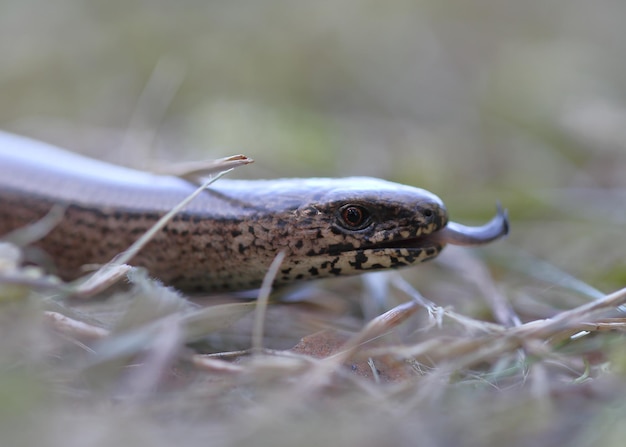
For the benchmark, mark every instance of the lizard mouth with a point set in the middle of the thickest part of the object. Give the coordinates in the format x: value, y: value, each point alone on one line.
x: 457, y: 234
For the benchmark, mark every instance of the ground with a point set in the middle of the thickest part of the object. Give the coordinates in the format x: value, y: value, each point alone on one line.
x: 517, y: 102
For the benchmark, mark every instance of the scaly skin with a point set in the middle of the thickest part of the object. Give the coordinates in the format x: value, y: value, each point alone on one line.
x: 228, y: 236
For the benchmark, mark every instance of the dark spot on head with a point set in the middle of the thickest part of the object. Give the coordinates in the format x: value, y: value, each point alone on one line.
x: 313, y: 271
x: 335, y: 230
x: 242, y: 248
x: 311, y: 252
x: 340, y: 248
x: 299, y: 276
x: 250, y: 229
x: 235, y: 233
x: 299, y: 244
x: 430, y: 251
x: 335, y: 271
x: 359, y: 260
x: 395, y: 263
x: 286, y: 271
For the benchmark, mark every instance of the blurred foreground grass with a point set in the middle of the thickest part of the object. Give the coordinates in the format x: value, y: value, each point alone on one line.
x: 520, y: 102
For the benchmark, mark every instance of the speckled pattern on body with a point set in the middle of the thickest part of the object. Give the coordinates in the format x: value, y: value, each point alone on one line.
x: 228, y: 236
x: 203, y: 253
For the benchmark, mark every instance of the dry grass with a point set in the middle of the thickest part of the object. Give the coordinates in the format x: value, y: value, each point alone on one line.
x: 128, y: 367
x: 479, y: 101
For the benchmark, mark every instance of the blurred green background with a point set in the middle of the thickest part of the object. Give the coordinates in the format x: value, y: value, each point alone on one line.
x: 522, y: 101
x: 477, y: 101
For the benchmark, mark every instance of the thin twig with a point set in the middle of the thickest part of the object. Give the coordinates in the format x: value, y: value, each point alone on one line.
x: 262, y: 300
x: 75, y: 328
x: 124, y: 257
x: 37, y: 230
x: 195, y: 170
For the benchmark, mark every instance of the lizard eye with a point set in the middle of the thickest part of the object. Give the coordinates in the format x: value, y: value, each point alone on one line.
x: 354, y: 217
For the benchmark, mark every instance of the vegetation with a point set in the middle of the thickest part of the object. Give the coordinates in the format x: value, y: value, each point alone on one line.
x: 518, y: 343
